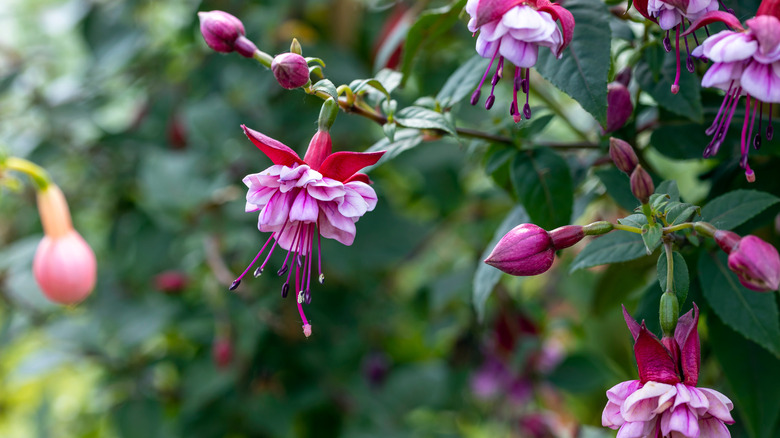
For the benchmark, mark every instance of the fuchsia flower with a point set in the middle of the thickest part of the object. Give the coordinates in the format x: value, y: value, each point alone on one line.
x: 528, y: 249
x: 225, y: 33
x: 514, y: 29
x: 746, y: 62
x: 671, y: 14
x: 756, y: 263
x: 300, y: 199
x: 665, y: 400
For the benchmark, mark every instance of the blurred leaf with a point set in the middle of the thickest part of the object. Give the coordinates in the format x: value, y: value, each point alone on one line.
x: 752, y: 375
x: 618, y: 187
x: 670, y: 188
x: 637, y: 220
x: 139, y: 419
x: 486, y: 277
x: 750, y: 313
x: 543, y: 183
x: 431, y: 25
x: 687, y: 102
x: 403, y: 140
x: 583, y: 69
x: 423, y: 118
x: 728, y: 211
x: 681, y: 277
x: 325, y: 85
x: 462, y: 82
x: 580, y: 373
x: 359, y: 85
x: 617, y: 246
x: 680, y: 141
x: 679, y: 212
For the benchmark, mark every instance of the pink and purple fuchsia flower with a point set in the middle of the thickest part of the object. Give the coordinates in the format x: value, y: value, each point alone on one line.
x: 745, y: 62
x: 300, y: 200
x: 665, y: 401
x: 514, y: 30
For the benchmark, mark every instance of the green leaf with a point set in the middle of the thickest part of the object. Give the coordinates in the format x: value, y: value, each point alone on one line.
x: 486, y: 277
x: 682, y: 279
x: 753, y: 377
x: 580, y: 373
x: 404, y: 139
x: 680, y: 141
x: 359, y: 85
x: 462, y: 82
x: 669, y: 187
x: 423, y: 118
x: 618, y: 187
x: 651, y: 236
x: 431, y: 24
x: 752, y: 314
x: 617, y: 246
x: 679, y: 212
x: 655, y: 75
x: 583, y: 69
x: 735, y: 208
x: 543, y: 183
x: 635, y: 220
x: 327, y: 86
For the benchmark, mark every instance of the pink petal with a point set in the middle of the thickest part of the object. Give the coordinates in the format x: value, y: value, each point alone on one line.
x: 305, y: 208
x: 633, y: 326
x: 486, y: 49
x: 682, y: 420
x: 640, y: 405
x: 611, y: 417
x: 520, y: 53
x: 637, y: 429
x: 713, y: 17
x: 342, y: 165
x: 326, y: 190
x: 276, y: 210
x: 728, y: 46
x: 669, y: 18
x: 620, y: 392
x: 335, y: 226
x: 721, y: 74
x: 368, y: 194
x: 565, y: 17
x: 352, y: 205
x: 762, y: 81
x: 490, y: 10
x: 720, y: 405
x: 713, y: 428
x: 286, y: 238
x: 273, y: 149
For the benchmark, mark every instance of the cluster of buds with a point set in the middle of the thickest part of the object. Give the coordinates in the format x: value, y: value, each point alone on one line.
x: 625, y: 159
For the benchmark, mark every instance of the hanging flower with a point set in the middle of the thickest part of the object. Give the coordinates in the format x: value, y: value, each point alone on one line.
x: 665, y: 400
x: 745, y: 62
x: 671, y: 14
x: 300, y: 200
x: 514, y: 30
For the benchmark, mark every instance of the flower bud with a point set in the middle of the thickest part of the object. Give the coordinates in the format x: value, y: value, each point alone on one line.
x: 320, y: 147
x: 726, y: 240
x: 222, y: 352
x: 619, y: 106
x: 622, y: 155
x: 64, y: 265
x: 564, y: 237
x: 624, y: 76
x: 641, y: 184
x: 224, y: 33
x: 598, y: 228
x: 756, y: 263
x: 669, y: 312
x: 290, y: 70
x: 170, y: 282
x: 525, y: 250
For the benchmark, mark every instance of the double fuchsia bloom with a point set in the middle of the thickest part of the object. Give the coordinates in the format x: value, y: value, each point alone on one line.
x: 514, y: 29
x: 746, y: 62
x: 671, y: 14
x: 665, y: 400
x: 300, y: 199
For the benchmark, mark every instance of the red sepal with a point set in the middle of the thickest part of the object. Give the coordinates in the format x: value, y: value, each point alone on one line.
x: 343, y: 165
x: 489, y: 10
x: 633, y: 326
x: 273, y: 149
x: 641, y: 7
x: 560, y: 13
x: 653, y: 360
x: 715, y: 17
x: 362, y: 177
x: 687, y: 337
x: 769, y: 7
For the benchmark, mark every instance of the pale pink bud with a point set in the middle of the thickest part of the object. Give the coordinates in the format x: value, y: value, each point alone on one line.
x: 756, y: 263
x: 526, y: 250
x: 64, y: 265
x: 290, y: 70
x: 619, y: 106
x: 225, y: 33
x: 564, y: 237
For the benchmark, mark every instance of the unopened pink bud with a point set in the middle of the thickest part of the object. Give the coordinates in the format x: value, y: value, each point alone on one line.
x: 225, y: 33
x: 64, y: 265
x: 619, y: 106
x: 756, y: 263
x: 290, y: 70
x: 727, y: 240
x: 320, y: 147
x: 567, y: 236
x: 526, y: 250
x: 641, y: 184
x: 622, y: 155
x: 222, y: 352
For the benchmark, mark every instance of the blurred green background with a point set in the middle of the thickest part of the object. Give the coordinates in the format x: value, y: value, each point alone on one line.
x: 138, y: 122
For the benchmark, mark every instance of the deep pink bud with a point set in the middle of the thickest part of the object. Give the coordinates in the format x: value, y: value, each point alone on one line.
x: 64, y: 265
x: 526, y: 250
x: 756, y: 263
x: 727, y: 240
x: 641, y: 184
x: 619, y: 106
x: 320, y: 147
x: 622, y: 155
x: 171, y: 282
x: 564, y: 237
x: 290, y: 70
x: 222, y: 352
x: 224, y: 33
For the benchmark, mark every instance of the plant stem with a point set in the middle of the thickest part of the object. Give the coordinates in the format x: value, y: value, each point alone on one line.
x: 628, y: 228
x: 669, y: 266
x: 678, y: 227
x: 37, y: 174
